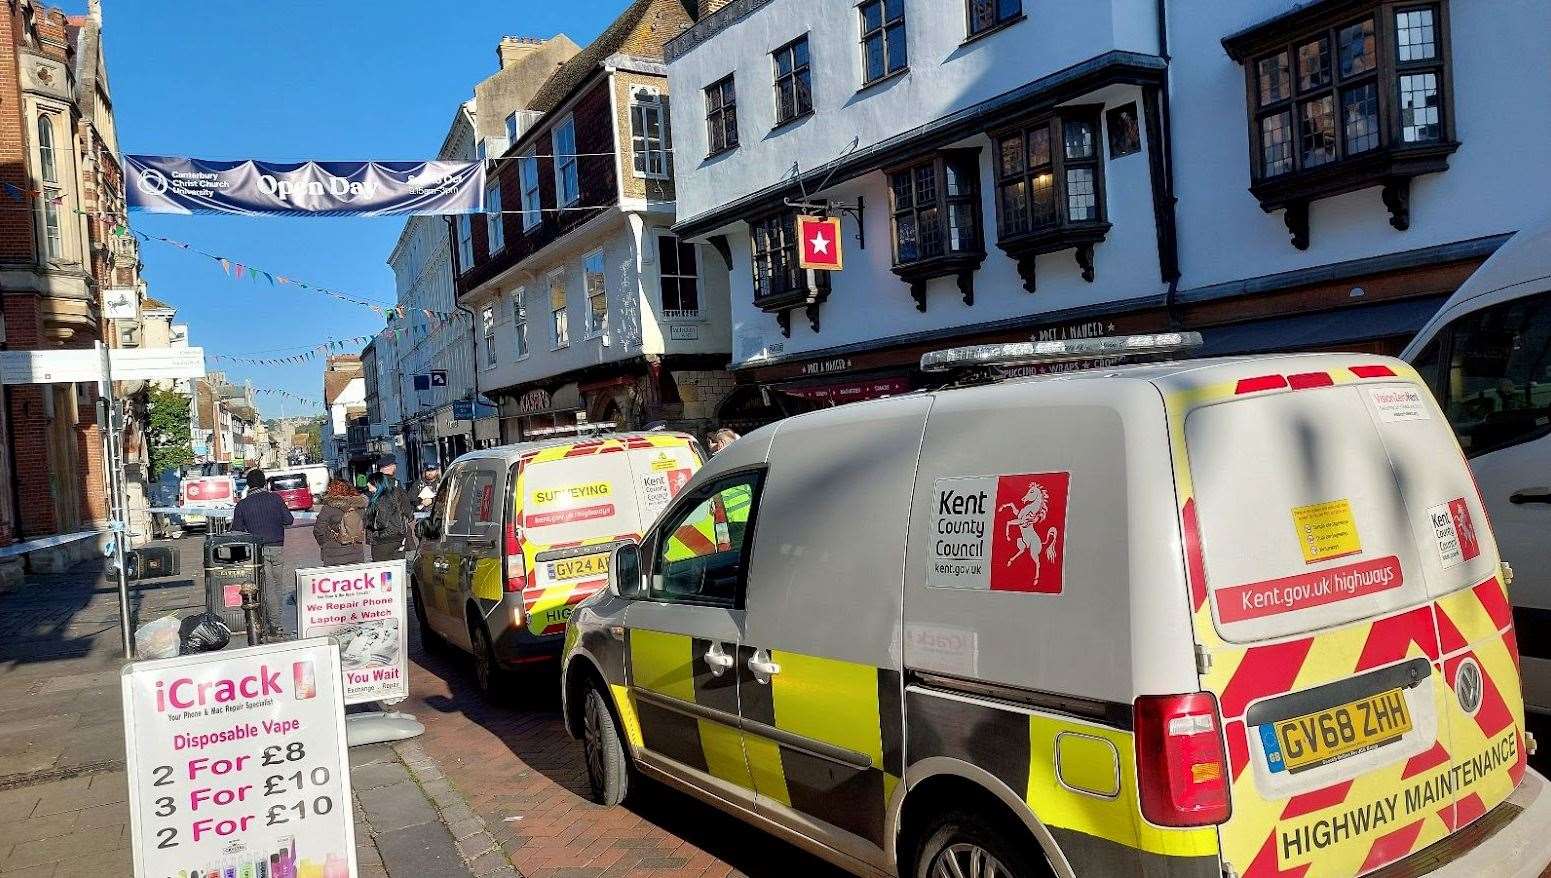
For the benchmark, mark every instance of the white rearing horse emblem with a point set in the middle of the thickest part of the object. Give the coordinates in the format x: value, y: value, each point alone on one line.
x: 1026, y: 520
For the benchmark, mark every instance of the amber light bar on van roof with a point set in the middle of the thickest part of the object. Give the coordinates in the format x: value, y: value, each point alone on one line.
x: 1028, y: 353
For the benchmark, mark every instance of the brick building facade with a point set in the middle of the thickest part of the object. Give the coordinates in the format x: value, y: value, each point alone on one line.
x: 61, y: 198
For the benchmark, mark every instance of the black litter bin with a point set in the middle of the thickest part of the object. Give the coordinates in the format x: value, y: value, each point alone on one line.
x: 232, y: 560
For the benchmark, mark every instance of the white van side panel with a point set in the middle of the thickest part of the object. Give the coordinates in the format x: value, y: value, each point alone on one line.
x: 1121, y: 624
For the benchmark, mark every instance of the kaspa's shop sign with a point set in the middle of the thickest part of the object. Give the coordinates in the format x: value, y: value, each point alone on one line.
x: 177, y: 184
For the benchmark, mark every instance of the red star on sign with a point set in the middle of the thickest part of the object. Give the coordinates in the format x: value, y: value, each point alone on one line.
x: 819, y: 242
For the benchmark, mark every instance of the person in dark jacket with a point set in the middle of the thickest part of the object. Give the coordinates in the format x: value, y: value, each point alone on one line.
x: 341, y: 526
x: 263, y: 514
x: 389, y: 512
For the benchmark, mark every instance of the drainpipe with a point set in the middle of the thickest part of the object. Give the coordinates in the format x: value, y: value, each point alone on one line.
x: 1168, y: 151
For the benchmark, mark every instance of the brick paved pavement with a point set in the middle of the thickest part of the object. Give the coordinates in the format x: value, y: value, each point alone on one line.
x: 523, y: 776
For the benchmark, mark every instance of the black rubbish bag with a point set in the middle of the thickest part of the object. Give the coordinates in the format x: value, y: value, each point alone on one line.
x: 204, y: 632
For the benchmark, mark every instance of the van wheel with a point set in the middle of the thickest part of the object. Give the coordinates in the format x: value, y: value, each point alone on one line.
x: 608, y: 770
x: 430, y: 641
x: 487, y: 673
x: 965, y: 844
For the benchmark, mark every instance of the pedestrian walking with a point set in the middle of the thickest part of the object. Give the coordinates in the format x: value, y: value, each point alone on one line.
x: 720, y: 439
x: 341, y: 526
x: 263, y: 514
x: 430, y: 479
x: 389, y: 513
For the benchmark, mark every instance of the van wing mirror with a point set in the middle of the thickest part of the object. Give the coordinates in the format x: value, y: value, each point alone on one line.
x: 625, y: 571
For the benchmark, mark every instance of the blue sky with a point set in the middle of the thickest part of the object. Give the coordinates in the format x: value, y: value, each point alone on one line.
x: 285, y: 80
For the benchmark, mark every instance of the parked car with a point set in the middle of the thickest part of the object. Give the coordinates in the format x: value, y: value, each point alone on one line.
x: 294, y: 490
x: 518, y: 535
x: 1487, y: 357
x: 317, y: 475
x: 1217, y: 617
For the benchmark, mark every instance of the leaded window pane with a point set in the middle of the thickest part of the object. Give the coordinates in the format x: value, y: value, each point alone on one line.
x: 1318, y: 144
x: 1039, y: 147
x: 1415, y: 35
x: 1314, y: 64
x: 1275, y: 79
x: 931, y: 233
x: 1276, y: 144
x: 1015, y: 207
x: 1081, y: 195
x: 1419, y: 108
x: 1079, y: 139
x: 904, y: 192
x: 1012, y: 156
x: 1044, y: 199
x: 1358, y: 52
x: 926, y: 184
x: 1360, y: 118
x: 909, y: 243
x: 961, y: 228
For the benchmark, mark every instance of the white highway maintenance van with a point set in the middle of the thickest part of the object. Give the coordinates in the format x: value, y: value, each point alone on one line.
x: 1207, y: 618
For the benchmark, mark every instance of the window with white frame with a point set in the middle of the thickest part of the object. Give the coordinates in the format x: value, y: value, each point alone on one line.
x: 46, y: 164
x: 495, y: 229
x: 528, y: 172
x: 593, y: 269
x: 488, y: 321
x: 520, y: 322
x: 53, y: 235
x: 560, y: 323
x: 465, y: 243
x: 568, y: 183
x: 678, y: 265
x: 650, y: 137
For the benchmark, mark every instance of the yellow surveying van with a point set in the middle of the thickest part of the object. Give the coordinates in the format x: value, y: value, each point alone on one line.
x: 518, y: 535
x: 1240, y: 617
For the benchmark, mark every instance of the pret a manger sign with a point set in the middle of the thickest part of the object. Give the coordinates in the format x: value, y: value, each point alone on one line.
x: 237, y: 764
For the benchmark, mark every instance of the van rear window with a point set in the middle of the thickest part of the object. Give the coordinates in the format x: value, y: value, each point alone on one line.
x: 1319, y: 507
x: 288, y: 482
x: 578, y: 498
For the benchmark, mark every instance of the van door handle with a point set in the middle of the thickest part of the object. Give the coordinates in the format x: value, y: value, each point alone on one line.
x: 1530, y: 495
x: 762, y: 666
x: 718, y: 660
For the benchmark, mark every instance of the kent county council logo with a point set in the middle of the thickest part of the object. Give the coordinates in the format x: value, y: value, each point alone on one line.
x: 1029, y: 529
x: 153, y: 181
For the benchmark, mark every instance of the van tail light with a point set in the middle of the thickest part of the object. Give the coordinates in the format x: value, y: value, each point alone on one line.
x: 516, y: 567
x: 1181, y: 768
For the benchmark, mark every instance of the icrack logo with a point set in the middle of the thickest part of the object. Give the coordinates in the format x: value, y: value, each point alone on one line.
x: 1029, y: 532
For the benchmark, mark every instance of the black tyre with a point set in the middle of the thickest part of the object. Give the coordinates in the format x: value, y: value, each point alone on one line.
x: 430, y: 641
x: 965, y: 844
x: 487, y: 672
x: 608, y: 768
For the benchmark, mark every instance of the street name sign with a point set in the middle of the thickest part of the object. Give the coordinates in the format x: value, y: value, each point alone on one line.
x: 237, y: 764
x: 363, y: 608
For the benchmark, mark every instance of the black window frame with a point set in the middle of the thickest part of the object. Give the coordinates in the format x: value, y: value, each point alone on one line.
x: 881, y: 35
x: 773, y: 242
x: 1000, y: 18
x: 676, y: 280
x: 947, y: 260
x: 722, y: 117
x: 1386, y: 159
x: 801, y: 77
x: 684, y: 505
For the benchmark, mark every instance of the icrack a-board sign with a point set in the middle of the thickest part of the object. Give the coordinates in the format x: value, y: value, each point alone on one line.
x: 818, y: 240
x: 362, y: 607
x: 237, y: 764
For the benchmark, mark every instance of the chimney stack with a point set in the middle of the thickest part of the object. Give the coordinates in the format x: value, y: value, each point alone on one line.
x: 706, y: 7
x: 514, y: 49
x: 94, y: 9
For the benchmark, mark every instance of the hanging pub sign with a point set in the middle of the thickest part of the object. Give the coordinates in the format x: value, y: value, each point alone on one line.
x: 178, y: 184
x: 818, y: 240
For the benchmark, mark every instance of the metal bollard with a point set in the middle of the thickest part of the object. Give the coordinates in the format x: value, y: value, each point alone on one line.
x: 252, y: 613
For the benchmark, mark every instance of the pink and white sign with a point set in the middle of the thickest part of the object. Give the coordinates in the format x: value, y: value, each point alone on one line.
x: 237, y: 763
x: 363, y: 608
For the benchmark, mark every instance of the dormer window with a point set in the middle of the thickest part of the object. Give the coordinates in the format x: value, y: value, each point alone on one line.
x: 1338, y: 104
x: 936, y: 219
x: 780, y: 282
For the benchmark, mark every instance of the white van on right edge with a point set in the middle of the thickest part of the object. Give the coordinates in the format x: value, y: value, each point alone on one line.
x: 1487, y: 357
x: 1239, y: 617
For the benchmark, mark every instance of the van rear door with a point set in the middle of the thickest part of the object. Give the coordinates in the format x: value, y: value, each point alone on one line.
x: 1347, y: 596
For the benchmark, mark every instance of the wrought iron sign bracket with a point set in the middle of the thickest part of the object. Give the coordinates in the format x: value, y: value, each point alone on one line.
x: 825, y: 208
